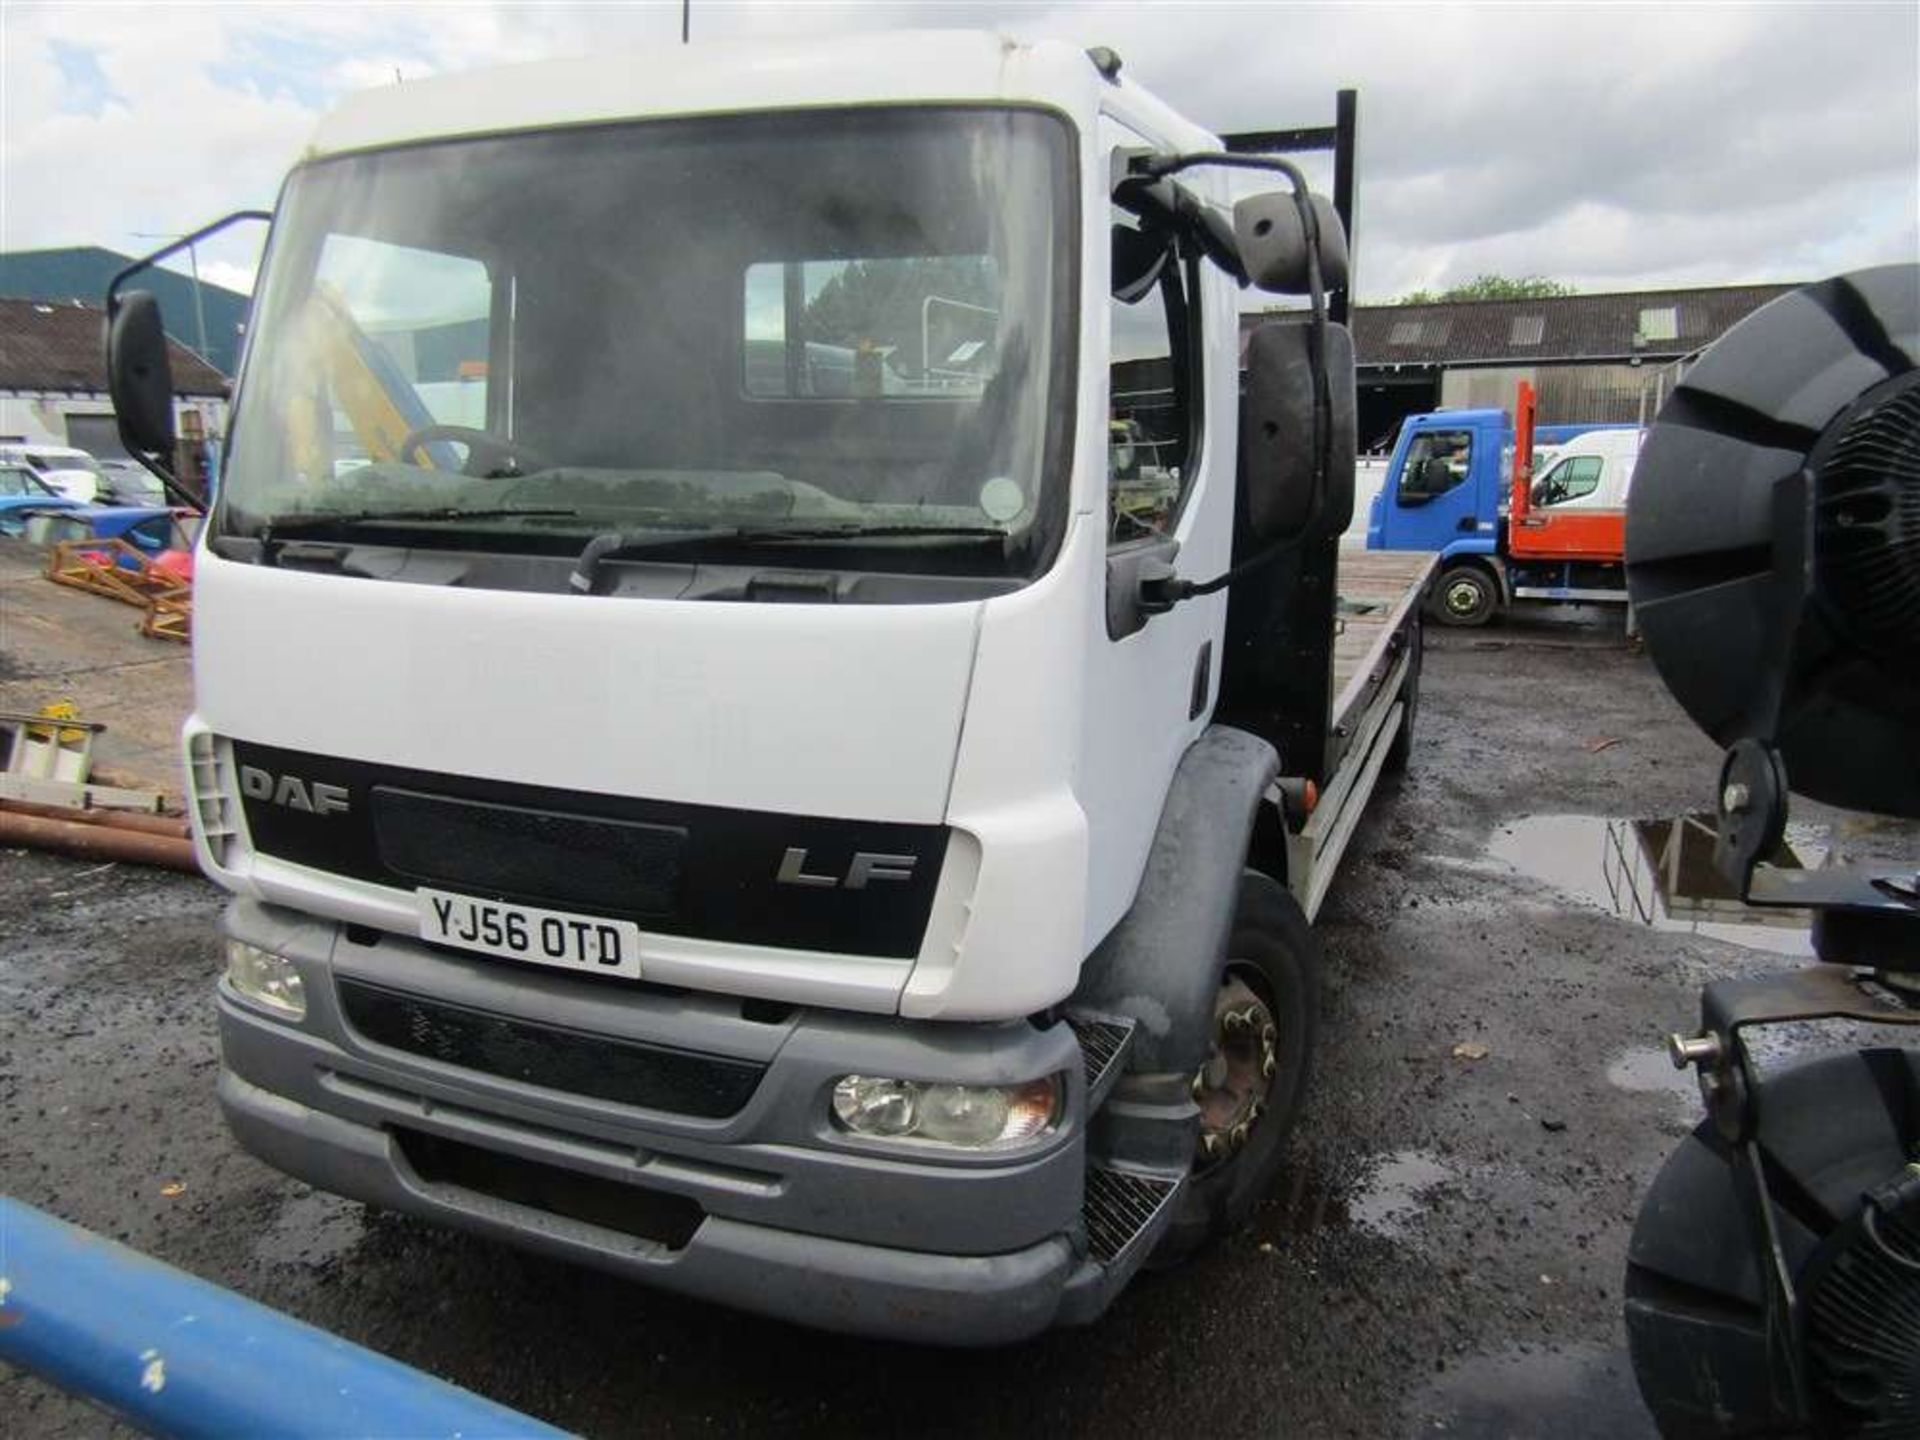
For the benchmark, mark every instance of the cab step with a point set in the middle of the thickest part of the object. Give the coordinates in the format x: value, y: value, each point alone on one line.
x: 1104, y: 1042
x: 1121, y: 1211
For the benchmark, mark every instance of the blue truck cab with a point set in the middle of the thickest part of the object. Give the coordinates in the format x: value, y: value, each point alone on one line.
x: 1444, y: 485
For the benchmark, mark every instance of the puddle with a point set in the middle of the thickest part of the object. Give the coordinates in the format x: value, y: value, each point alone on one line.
x: 1383, y: 1197
x: 1393, y: 1192
x: 1658, y: 873
x: 1649, y: 1070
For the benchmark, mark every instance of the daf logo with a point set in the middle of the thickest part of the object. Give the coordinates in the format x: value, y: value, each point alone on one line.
x: 315, y: 797
x: 864, y: 869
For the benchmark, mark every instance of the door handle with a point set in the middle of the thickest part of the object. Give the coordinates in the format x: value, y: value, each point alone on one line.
x: 1468, y: 522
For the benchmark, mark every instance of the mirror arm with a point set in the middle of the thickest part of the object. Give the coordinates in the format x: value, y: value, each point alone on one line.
x: 1161, y: 593
x: 174, y: 248
x: 158, y: 465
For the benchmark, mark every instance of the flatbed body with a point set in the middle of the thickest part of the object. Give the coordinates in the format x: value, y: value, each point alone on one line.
x: 1376, y: 659
x: 1379, y: 591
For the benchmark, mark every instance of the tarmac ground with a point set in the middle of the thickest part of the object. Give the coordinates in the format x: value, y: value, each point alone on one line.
x: 1442, y: 1255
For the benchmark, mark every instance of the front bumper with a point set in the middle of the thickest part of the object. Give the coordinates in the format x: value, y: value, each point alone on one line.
x: 789, y: 1217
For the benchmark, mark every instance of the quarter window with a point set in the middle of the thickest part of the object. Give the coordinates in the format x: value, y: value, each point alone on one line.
x: 925, y: 326
x: 1150, y: 428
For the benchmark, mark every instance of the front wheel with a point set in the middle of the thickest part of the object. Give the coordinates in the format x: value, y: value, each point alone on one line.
x: 1466, y: 595
x: 1254, y: 1081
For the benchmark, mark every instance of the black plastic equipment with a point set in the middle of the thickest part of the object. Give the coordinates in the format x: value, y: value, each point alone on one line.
x: 1773, y: 538
x: 1773, y: 556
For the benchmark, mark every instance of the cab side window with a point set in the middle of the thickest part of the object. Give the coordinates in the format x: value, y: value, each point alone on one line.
x: 1572, y: 478
x: 1150, y: 422
x: 1437, y: 461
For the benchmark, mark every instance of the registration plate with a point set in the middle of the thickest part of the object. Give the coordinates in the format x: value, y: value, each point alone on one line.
x: 586, y: 943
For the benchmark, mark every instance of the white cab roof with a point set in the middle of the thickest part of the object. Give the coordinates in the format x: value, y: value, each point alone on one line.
x: 899, y: 67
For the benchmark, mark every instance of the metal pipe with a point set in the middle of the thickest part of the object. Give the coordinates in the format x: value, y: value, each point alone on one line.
x: 173, y: 825
x: 175, y: 1355
x: 97, y: 842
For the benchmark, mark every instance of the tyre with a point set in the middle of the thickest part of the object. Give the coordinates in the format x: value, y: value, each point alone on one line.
x: 1254, y: 1081
x: 1466, y: 595
x: 1401, y: 750
x: 1831, y: 1131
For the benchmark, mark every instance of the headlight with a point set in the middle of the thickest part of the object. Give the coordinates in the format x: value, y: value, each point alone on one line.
x: 970, y: 1117
x: 265, y: 979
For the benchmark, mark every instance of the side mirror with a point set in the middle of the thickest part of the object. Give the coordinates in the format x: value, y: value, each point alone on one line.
x: 140, y: 374
x: 1273, y: 243
x: 1138, y: 258
x: 1277, y: 480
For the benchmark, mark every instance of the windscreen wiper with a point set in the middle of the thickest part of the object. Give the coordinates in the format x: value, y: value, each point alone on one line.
x: 276, y: 528
x: 616, y: 543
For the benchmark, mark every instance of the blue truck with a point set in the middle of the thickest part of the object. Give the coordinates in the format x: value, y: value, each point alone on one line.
x: 1508, y: 520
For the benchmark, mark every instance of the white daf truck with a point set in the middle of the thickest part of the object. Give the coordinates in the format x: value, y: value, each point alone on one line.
x: 725, y: 771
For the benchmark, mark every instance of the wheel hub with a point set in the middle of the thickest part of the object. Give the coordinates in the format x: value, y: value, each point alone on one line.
x: 1462, y: 597
x: 1231, y: 1088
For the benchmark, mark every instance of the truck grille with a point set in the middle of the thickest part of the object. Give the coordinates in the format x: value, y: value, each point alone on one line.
x: 654, y: 1077
x: 515, y: 850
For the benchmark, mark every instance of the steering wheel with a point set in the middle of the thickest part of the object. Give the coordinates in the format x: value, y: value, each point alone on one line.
x: 489, y: 456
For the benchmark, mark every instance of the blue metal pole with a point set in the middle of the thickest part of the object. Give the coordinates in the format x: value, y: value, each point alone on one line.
x: 176, y: 1355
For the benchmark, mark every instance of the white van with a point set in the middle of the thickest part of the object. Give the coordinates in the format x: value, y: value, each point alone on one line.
x: 72, y: 473
x: 1589, y: 472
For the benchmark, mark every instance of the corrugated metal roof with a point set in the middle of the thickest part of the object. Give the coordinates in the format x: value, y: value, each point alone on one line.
x: 1671, y: 323
x: 60, y: 348
x: 81, y: 273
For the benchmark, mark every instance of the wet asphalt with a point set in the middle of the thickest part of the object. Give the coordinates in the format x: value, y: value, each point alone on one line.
x: 1443, y: 1255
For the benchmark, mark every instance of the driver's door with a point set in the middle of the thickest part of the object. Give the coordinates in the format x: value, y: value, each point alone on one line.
x: 1434, y: 497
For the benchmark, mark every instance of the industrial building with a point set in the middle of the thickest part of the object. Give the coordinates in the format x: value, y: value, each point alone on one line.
x: 1595, y: 358
x: 208, y: 319
x: 53, y: 380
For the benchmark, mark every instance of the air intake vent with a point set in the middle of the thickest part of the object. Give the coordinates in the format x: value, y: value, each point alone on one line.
x: 215, y: 805
x: 1863, y: 1315
x: 680, y: 1082
x: 1867, y: 524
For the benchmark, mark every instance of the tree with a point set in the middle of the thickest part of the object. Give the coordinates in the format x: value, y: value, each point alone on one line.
x: 1493, y: 287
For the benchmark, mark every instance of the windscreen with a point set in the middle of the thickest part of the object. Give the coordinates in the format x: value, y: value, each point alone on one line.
x: 852, y: 322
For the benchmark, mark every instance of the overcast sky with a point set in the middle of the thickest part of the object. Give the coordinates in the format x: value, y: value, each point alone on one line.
x: 1615, y: 146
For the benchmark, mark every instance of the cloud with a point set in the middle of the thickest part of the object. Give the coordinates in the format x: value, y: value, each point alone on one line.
x: 1615, y: 146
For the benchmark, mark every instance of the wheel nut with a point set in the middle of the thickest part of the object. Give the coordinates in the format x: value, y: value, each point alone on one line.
x: 1268, y: 1064
x: 1210, y: 1144
x: 1240, y: 1135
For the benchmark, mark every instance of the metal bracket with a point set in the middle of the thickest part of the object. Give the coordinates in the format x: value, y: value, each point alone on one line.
x: 1728, y: 1085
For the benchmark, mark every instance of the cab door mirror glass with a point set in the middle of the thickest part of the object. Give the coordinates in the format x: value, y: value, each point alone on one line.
x: 1283, y: 495
x: 1271, y: 236
x: 140, y: 374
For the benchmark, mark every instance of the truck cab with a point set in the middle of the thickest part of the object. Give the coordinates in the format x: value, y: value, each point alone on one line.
x: 1590, y: 472
x: 797, y: 761
x: 1445, y: 486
